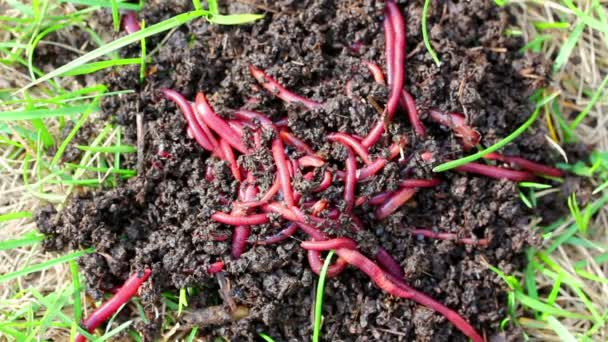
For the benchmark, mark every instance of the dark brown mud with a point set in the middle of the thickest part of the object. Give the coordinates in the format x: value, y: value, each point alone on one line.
x: 161, y: 219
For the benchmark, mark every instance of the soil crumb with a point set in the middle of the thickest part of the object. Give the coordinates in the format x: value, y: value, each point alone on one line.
x: 161, y: 218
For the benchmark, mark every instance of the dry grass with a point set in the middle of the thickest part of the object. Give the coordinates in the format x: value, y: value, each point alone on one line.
x: 587, y: 67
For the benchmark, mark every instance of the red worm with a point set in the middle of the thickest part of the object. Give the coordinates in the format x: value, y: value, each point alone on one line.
x: 420, y: 183
x: 449, y: 236
x: 234, y: 220
x: 299, y: 145
x: 278, y: 154
x: 194, y: 128
x: 279, y: 91
x: 388, y: 263
x: 327, y: 245
x: 231, y: 159
x: 280, y: 236
x: 310, y: 161
x: 408, y: 102
x: 239, y: 240
x: 376, y: 71
x: 282, y: 123
x: 349, y: 141
x: 325, y: 182
x: 316, y: 263
x: 379, y: 198
x: 350, y: 181
x: 371, y: 169
x: 396, y: 75
x: 389, y: 46
x: 312, y: 231
x: 218, y: 124
x: 250, y: 116
x: 107, y: 309
x: 130, y: 23
x: 526, y: 164
x: 278, y: 208
x: 216, y: 267
x: 496, y: 172
x: 394, y: 202
x: 456, y: 122
x: 319, y: 206
x: 399, y: 289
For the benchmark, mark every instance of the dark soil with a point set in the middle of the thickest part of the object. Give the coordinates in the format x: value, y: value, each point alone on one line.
x: 161, y: 219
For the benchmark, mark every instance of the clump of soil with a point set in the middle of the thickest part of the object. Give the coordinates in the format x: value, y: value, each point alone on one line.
x: 161, y: 219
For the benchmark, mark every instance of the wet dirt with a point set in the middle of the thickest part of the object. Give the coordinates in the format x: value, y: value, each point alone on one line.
x: 161, y: 219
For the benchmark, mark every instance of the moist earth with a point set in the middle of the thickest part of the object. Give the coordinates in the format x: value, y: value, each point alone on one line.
x: 161, y: 218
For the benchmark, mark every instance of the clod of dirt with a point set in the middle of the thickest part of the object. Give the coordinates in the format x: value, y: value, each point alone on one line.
x: 161, y: 219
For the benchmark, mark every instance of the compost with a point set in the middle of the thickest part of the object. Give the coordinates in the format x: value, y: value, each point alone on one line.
x: 291, y: 101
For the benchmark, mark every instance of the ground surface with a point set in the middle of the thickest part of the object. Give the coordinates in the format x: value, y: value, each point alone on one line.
x: 161, y: 218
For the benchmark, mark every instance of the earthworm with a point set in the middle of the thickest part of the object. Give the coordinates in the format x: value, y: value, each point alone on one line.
x: 231, y: 160
x: 216, y: 267
x: 311, y: 161
x: 388, y: 263
x: 393, y: 202
x: 449, y: 236
x: 109, y: 308
x: 408, y: 102
x: 456, y: 122
x: 325, y: 182
x: 526, y: 164
x: 389, y: 48
x: 379, y: 198
x: 420, y: 183
x: 130, y: 22
x: 316, y: 263
x: 218, y: 124
x: 241, y: 233
x: 249, y: 115
x: 350, y: 181
x: 319, y: 206
x: 234, y: 220
x: 349, y: 141
x: 282, y: 123
x: 193, y: 126
x: 278, y: 208
x: 280, y: 236
x: 280, y: 160
x: 397, y: 288
x: 299, y: 145
x: 330, y: 244
x: 276, y: 89
x: 376, y: 71
x: 396, y: 75
x: 496, y: 172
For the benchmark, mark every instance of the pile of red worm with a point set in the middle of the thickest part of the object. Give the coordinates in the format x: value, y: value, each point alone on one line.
x: 224, y: 138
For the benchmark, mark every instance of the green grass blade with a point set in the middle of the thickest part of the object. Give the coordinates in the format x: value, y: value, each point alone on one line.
x: 50, y: 314
x: 27, y: 241
x: 106, y: 4
x: 75, y: 129
x: 115, y: 15
x: 108, y: 149
x: 41, y: 113
x: 76, y: 295
x: 234, y: 19
x: 265, y: 337
x: 548, y: 309
x: 44, y: 265
x: 458, y: 162
x: 96, y: 66
x: 316, y: 330
x: 63, y: 317
x: 560, y: 330
x: 15, y: 216
x: 425, y: 34
x: 594, y: 99
x: 192, y: 334
x: 213, y: 7
x: 118, y: 43
x: 534, y: 185
x: 115, y: 331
